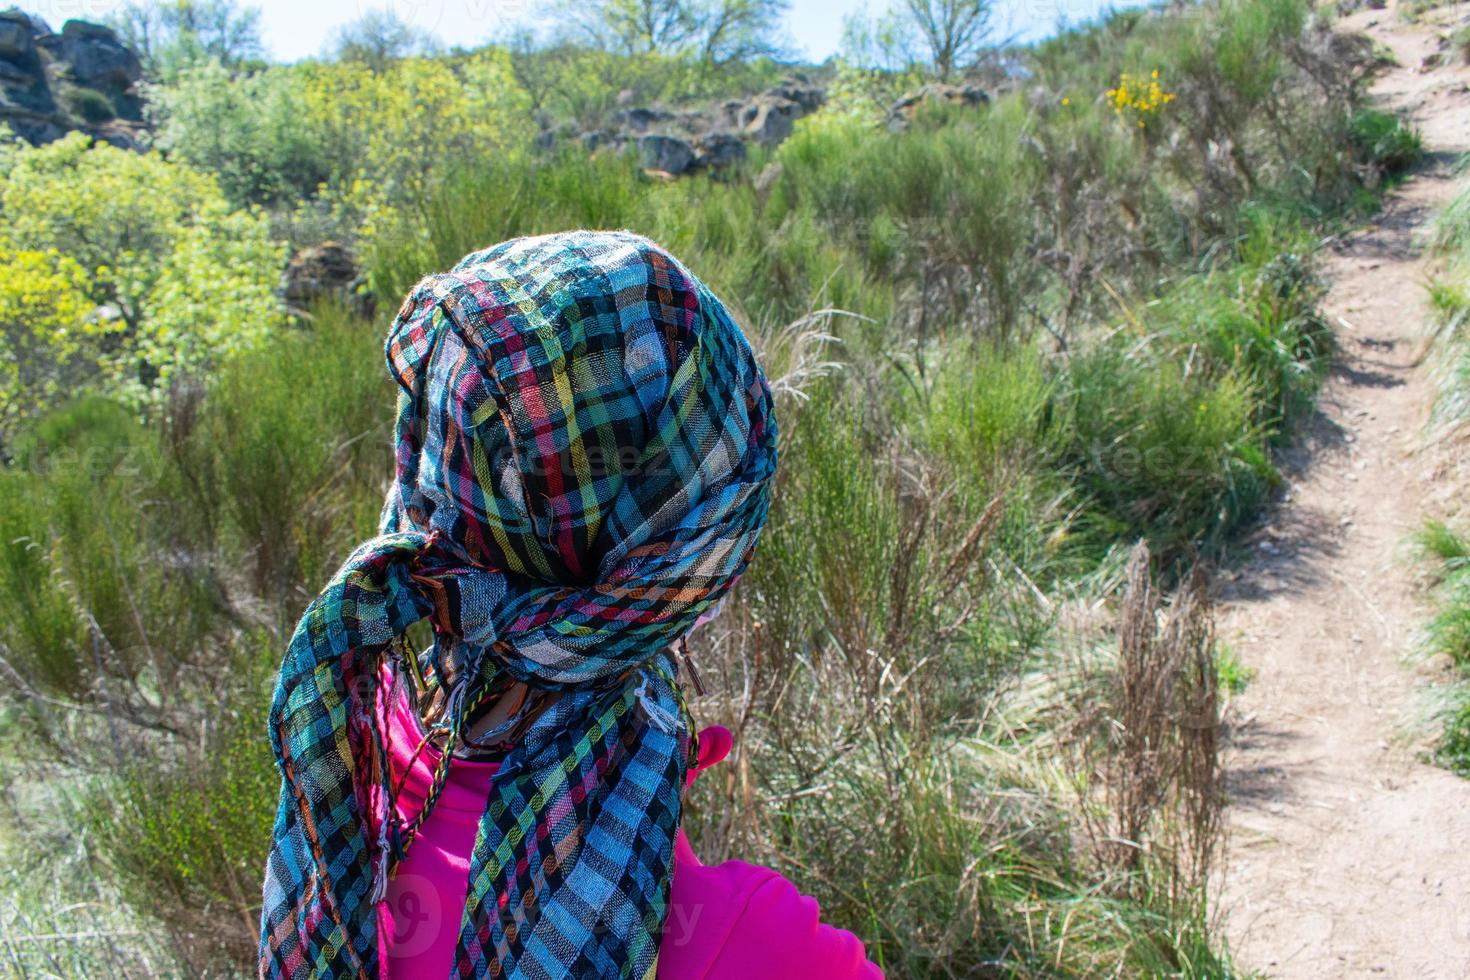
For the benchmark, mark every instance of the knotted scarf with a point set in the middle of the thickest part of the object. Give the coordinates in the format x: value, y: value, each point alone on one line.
x: 584, y: 448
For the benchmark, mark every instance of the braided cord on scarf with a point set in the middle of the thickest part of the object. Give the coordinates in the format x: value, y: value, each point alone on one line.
x: 584, y: 450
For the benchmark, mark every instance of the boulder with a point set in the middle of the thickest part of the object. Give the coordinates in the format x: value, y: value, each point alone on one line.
x: 123, y: 135
x: 972, y: 95
x: 719, y: 150
x: 809, y: 97
x: 97, y: 58
x: 902, y: 112
x: 23, y: 82
x: 730, y: 112
x: 642, y: 120
x: 16, y: 43
x: 770, y: 119
x: 325, y: 271
x: 668, y: 154
x: 595, y: 139
x: 33, y: 127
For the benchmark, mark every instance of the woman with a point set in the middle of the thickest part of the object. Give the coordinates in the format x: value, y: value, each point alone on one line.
x: 585, y: 446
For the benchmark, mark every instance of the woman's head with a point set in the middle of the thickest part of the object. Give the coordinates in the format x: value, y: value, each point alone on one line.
x: 581, y: 414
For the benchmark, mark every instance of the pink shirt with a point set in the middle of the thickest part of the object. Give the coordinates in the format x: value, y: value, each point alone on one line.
x: 730, y: 921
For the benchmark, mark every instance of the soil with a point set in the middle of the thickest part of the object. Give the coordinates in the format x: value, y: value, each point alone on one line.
x: 1348, y: 854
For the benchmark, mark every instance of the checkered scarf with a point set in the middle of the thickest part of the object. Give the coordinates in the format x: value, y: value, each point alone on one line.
x: 584, y: 451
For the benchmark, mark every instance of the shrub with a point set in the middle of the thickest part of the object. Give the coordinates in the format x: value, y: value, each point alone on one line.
x: 247, y: 130
x: 186, y: 834
x: 54, y: 349
x: 88, y: 103
x: 1164, y: 453
x: 1384, y: 142
x: 1447, y: 553
x: 188, y: 280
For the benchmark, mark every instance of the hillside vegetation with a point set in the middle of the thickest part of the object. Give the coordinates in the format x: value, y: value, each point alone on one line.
x: 1011, y: 339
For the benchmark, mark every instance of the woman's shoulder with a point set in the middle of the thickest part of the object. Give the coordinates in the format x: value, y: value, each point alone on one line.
x: 738, y: 920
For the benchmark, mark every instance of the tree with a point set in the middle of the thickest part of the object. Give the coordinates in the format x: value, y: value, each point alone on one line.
x: 955, y: 31
x: 738, y: 30
x: 380, y: 37
x: 941, y: 36
x: 177, y: 279
x: 246, y: 129
x: 714, y: 31
x: 170, y: 36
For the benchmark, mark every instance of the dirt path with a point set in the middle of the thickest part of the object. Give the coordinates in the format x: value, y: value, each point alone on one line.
x: 1347, y: 857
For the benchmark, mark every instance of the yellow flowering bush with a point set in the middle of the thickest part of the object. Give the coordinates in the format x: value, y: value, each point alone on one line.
x: 342, y: 139
x: 393, y: 132
x: 150, y: 248
x: 1139, y: 99
x: 44, y: 321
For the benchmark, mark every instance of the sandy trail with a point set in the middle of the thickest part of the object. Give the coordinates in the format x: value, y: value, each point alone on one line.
x: 1348, y: 857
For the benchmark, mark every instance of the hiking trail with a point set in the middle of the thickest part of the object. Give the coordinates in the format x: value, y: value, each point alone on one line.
x: 1348, y: 857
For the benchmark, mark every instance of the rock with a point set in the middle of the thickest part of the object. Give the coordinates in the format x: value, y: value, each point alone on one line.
x: 938, y: 92
x: 11, y: 74
x: 97, y: 58
x: 123, y: 135
x: 808, y: 96
x: 730, y: 112
x: 35, y: 128
x: 665, y: 153
x: 326, y: 271
x: 642, y: 120
x: 719, y: 150
x: 770, y: 120
x: 76, y: 80
x: 16, y: 44
x: 28, y: 91
x: 766, y: 179
x: 597, y: 138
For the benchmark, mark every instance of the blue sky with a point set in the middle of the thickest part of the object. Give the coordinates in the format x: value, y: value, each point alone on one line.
x: 298, y: 28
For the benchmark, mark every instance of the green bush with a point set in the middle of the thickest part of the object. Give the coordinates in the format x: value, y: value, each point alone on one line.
x: 1384, y: 142
x: 1447, y: 553
x: 184, y: 280
x: 88, y: 103
x: 1165, y: 454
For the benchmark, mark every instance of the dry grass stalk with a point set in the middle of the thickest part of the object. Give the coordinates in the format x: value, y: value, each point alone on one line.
x: 1158, y: 751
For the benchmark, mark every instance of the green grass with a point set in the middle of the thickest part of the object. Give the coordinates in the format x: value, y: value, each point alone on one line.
x: 1385, y: 141
x: 1235, y: 676
x: 1446, y: 553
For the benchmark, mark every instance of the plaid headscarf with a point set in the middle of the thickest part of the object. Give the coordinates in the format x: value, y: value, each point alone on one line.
x: 584, y: 450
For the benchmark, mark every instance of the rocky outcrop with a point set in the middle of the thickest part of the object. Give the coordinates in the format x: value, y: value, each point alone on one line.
x: 83, y: 78
x: 675, y: 142
x: 97, y: 58
x: 902, y: 112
